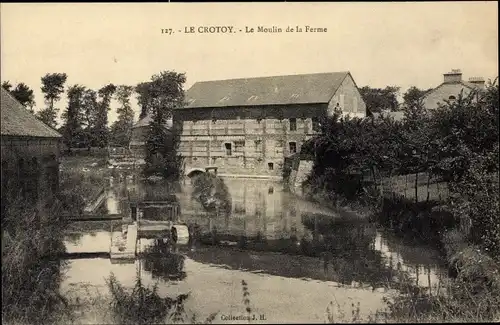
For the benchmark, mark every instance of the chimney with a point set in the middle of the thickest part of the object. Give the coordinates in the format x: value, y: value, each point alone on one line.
x: 477, y: 81
x: 453, y: 77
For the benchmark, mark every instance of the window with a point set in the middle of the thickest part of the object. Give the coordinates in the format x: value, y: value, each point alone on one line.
x: 315, y: 124
x: 292, y: 147
x: 228, y: 149
x: 452, y: 97
x: 341, y: 101
x: 293, y: 124
x: 258, y: 145
x: 270, y: 166
x: 355, y: 104
x: 239, y: 146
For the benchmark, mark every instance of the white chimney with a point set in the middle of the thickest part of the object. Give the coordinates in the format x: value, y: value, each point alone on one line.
x: 455, y: 76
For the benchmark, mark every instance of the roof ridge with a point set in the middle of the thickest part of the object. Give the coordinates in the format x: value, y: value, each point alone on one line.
x: 275, y: 76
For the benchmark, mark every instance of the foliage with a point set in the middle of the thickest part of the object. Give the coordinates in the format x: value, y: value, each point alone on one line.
x: 30, y: 280
x: 52, y: 88
x: 122, y: 129
x: 413, y: 96
x: 6, y: 85
x: 73, y: 135
x: 77, y: 188
x: 143, y: 305
x: 165, y: 93
x: 100, y: 129
x: 22, y: 93
x: 377, y: 99
x: 143, y: 98
x: 457, y: 143
x: 212, y: 193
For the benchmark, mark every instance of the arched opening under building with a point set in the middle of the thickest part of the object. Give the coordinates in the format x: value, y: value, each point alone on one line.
x: 195, y: 172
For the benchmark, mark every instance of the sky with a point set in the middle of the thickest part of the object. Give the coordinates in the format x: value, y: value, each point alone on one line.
x: 403, y: 44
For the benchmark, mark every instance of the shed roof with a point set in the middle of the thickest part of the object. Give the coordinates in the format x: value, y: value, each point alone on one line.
x: 277, y: 90
x: 18, y: 121
x: 145, y: 121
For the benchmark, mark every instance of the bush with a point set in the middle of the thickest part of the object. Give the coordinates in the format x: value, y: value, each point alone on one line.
x: 143, y: 305
x: 212, y: 193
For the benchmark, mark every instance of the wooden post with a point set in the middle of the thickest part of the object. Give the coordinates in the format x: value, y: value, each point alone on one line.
x: 406, y: 186
x: 416, y: 187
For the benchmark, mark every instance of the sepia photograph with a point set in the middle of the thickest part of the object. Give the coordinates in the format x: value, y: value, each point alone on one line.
x: 250, y: 163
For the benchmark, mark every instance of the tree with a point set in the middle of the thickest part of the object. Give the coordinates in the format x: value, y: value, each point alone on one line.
x: 122, y: 128
x: 143, y: 98
x: 73, y: 117
x: 52, y: 88
x: 22, y: 93
x: 377, y: 99
x: 6, y: 85
x: 101, y: 131
x: 413, y: 96
x: 89, y: 108
x: 166, y: 93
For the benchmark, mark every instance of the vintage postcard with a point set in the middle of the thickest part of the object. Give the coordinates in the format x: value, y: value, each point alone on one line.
x: 322, y: 162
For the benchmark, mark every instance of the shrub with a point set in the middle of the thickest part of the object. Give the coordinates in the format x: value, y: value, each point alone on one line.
x: 212, y: 193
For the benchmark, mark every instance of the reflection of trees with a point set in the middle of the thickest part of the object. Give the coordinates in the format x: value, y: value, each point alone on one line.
x: 346, y: 248
x: 212, y: 193
x: 73, y: 237
x: 148, y: 190
x: 162, y: 263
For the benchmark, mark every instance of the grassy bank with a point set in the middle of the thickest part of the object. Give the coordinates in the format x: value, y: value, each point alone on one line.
x: 30, y: 283
x: 81, y: 180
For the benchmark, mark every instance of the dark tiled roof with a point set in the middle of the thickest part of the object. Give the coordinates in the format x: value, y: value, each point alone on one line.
x: 18, y: 121
x: 279, y: 90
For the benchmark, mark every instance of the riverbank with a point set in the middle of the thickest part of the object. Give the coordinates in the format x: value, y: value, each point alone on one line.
x: 473, y: 295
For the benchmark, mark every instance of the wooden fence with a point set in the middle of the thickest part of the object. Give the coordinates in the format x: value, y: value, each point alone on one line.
x: 416, y: 187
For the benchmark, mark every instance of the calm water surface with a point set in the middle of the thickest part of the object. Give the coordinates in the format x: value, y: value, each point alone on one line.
x: 296, y: 257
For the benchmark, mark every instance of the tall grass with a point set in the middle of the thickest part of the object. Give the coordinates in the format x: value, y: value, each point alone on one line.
x: 143, y: 305
x: 30, y: 279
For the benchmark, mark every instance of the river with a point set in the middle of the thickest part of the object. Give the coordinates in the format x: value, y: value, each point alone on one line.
x: 299, y: 258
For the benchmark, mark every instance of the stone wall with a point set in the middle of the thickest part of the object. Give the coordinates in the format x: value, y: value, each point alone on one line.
x: 32, y: 164
x: 246, y: 140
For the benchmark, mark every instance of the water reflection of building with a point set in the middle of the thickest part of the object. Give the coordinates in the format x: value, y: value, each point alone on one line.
x: 258, y: 207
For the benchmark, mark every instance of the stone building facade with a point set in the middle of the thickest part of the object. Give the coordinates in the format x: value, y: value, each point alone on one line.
x: 30, y: 153
x: 249, y: 126
x: 450, y: 88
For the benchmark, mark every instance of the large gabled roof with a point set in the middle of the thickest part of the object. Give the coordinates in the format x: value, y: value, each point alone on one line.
x: 18, y: 121
x: 277, y: 90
